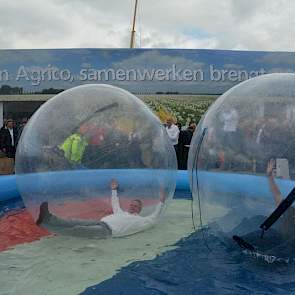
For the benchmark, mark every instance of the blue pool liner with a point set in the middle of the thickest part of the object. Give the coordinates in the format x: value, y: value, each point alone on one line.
x: 217, y: 182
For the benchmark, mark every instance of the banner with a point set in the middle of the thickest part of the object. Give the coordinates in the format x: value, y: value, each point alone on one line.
x: 170, y: 81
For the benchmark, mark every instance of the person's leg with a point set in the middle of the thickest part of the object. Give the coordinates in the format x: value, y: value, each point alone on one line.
x: 46, y: 217
x: 74, y: 227
x: 185, y: 158
x: 99, y: 231
x: 54, y: 220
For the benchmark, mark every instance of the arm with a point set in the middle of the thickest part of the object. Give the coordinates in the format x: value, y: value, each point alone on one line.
x: 159, y: 207
x: 115, y: 200
x: 3, y: 140
x: 273, y: 186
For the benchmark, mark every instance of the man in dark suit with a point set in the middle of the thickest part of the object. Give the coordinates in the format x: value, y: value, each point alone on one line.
x: 186, y: 141
x: 8, y: 138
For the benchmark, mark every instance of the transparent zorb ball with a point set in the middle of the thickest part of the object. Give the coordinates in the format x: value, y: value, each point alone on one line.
x: 80, y: 140
x: 242, y: 163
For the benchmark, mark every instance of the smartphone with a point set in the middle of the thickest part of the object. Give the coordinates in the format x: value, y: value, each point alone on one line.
x: 282, y: 168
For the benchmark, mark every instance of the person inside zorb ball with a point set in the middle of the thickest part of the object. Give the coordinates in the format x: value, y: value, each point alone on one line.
x: 242, y: 166
x: 94, y: 161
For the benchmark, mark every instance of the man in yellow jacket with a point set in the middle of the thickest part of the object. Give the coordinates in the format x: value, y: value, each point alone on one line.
x: 74, y: 147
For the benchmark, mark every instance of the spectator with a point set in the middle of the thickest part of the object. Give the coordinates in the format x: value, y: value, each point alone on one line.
x: 173, y: 132
x: 179, y: 126
x: 192, y: 125
x: 230, y: 120
x: 179, y: 147
x: 180, y: 144
x: 8, y: 138
x: 73, y: 148
x: 186, y: 141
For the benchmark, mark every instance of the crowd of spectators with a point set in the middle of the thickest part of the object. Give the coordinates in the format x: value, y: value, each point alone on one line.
x: 244, y: 141
x: 11, y: 131
x: 181, y: 140
x: 239, y: 140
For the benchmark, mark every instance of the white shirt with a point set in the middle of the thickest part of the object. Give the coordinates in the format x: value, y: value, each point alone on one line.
x: 173, y: 133
x: 123, y: 223
x: 230, y: 120
x: 11, y: 135
x: 259, y: 134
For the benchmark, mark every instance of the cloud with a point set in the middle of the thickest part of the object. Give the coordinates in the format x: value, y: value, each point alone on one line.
x: 57, y: 24
x: 155, y: 59
x: 281, y: 70
x: 280, y: 58
x: 228, y: 24
x: 27, y: 56
x: 233, y: 66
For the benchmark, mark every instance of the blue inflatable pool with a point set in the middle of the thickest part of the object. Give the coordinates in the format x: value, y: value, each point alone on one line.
x: 219, y: 182
x: 36, y: 182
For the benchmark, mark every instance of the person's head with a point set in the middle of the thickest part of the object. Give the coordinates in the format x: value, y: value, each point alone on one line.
x: 135, y: 206
x: 9, y: 123
x: 179, y: 126
x: 24, y: 121
x: 86, y: 129
x: 192, y: 126
x: 169, y: 122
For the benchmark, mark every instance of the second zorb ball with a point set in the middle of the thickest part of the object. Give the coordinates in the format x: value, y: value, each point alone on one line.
x: 80, y: 140
x: 242, y: 162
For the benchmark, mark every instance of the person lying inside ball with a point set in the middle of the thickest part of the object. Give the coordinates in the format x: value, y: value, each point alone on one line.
x: 118, y: 224
x: 279, y: 240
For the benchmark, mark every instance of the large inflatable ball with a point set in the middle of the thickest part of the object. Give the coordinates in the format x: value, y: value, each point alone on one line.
x: 81, y: 141
x: 242, y: 164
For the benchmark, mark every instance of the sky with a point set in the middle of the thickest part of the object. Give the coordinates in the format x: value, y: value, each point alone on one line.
x: 267, y: 25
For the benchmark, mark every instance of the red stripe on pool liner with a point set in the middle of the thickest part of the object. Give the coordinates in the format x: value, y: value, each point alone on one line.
x: 18, y: 227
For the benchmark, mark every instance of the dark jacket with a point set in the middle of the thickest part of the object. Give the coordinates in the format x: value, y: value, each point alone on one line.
x: 6, y: 142
x: 185, y: 141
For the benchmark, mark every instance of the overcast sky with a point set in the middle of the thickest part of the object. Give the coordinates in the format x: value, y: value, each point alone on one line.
x: 216, y: 24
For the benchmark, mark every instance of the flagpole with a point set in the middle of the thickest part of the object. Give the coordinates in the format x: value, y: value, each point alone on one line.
x: 132, y: 39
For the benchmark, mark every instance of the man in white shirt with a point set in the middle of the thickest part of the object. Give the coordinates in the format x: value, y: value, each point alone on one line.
x: 118, y: 224
x: 172, y: 131
x: 230, y: 120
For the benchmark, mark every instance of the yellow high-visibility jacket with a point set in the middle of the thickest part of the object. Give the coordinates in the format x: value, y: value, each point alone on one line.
x: 74, y: 148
